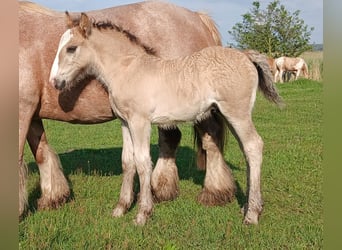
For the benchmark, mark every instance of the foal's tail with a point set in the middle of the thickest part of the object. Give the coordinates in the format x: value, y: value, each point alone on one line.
x: 266, y: 84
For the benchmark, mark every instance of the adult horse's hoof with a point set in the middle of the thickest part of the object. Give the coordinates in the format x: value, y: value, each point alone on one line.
x: 216, y: 197
x: 46, y: 203
x: 164, y: 189
x: 164, y: 180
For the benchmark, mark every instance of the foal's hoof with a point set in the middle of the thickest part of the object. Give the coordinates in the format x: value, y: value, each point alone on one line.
x: 251, y: 216
x: 118, y: 212
x: 143, y: 216
x: 140, y: 220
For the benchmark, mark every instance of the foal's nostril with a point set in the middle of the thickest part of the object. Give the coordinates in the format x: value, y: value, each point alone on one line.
x: 59, y: 84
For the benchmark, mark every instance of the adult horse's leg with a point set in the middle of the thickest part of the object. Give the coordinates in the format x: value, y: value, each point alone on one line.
x: 54, y: 186
x: 23, y: 128
x: 27, y: 106
x: 281, y: 75
x: 165, y: 176
x: 164, y: 180
x: 219, y: 185
x: 22, y: 187
x: 276, y: 75
x: 297, y: 73
x: 216, y: 128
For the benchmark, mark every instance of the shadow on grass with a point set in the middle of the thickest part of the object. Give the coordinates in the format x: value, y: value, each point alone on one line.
x: 107, y: 162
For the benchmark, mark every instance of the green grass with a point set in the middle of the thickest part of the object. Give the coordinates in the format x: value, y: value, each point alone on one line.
x: 291, y: 186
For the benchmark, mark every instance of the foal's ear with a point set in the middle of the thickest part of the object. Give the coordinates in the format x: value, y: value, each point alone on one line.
x: 69, y: 21
x: 85, y: 25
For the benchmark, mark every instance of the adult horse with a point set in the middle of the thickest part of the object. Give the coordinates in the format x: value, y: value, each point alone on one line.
x: 145, y: 89
x: 294, y: 65
x: 271, y: 63
x: 170, y: 30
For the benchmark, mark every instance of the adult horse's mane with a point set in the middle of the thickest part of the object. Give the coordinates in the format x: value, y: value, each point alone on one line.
x: 109, y: 25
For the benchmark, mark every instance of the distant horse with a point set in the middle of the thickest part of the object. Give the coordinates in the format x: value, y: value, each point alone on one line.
x: 271, y: 63
x: 144, y: 90
x: 170, y: 31
x: 294, y: 65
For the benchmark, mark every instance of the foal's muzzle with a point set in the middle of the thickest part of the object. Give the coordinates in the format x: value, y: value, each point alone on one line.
x: 58, y: 83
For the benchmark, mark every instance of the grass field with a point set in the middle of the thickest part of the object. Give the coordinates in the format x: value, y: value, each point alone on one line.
x: 314, y: 60
x: 292, y: 177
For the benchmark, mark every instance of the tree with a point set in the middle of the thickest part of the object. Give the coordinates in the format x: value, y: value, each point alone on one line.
x: 274, y: 31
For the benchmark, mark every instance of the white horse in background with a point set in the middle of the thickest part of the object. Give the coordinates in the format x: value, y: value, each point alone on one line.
x: 290, y: 64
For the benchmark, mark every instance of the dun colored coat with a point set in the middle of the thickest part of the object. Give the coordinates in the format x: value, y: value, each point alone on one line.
x: 144, y: 90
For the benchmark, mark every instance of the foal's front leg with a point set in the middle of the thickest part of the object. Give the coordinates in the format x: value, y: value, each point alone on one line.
x: 140, y: 130
x: 128, y: 168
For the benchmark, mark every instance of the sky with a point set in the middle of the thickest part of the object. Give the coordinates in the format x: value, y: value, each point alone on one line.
x: 226, y: 13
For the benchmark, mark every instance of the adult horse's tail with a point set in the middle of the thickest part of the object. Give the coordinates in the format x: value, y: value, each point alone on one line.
x: 215, y: 125
x: 305, y: 69
x: 266, y: 84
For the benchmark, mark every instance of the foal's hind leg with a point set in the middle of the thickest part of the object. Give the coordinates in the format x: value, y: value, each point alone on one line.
x: 252, y: 146
x: 165, y: 178
x: 54, y: 186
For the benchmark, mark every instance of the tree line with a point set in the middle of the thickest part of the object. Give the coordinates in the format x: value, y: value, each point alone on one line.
x: 274, y: 31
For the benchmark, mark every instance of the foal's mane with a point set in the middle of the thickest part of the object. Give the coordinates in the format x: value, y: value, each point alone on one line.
x: 108, y: 25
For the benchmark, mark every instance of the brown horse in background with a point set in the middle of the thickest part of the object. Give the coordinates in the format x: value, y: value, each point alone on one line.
x: 171, y: 31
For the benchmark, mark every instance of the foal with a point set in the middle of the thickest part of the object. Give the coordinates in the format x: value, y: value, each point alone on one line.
x: 145, y: 90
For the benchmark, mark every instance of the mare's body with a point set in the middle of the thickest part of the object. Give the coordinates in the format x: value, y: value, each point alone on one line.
x: 170, y: 30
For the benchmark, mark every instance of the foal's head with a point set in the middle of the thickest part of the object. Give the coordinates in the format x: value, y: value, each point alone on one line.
x: 76, y: 54
x: 74, y: 58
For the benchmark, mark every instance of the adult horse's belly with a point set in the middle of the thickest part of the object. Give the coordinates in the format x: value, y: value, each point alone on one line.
x: 83, y: 104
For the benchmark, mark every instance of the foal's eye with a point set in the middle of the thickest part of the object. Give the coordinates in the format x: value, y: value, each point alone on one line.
x: 71, y: 49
